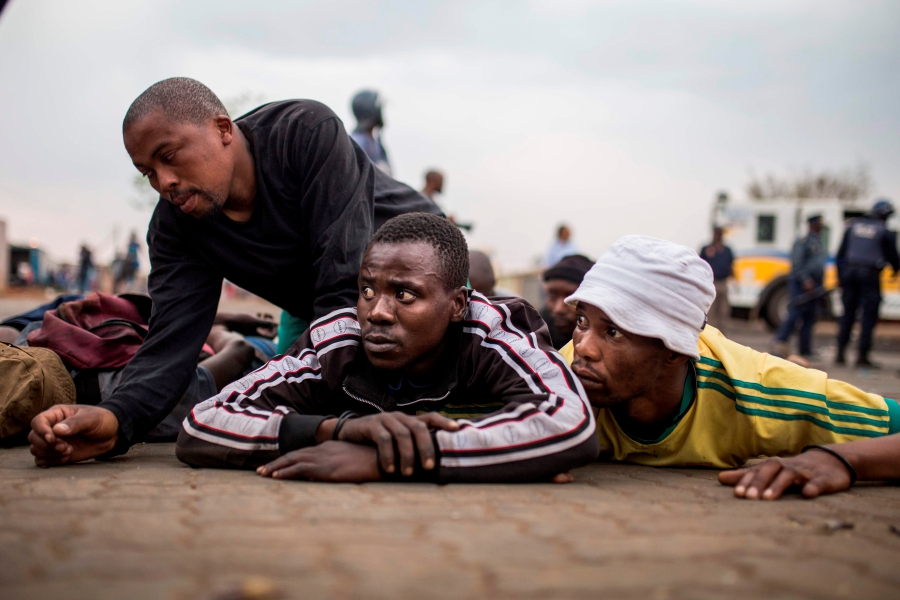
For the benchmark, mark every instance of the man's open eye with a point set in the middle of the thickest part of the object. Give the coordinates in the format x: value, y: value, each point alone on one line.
x: 367, y: 292
x: 581, y: 321
x: 613, y: 332
x: 405, y: 296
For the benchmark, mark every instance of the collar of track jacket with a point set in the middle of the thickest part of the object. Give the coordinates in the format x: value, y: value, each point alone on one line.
x: 653, y: 288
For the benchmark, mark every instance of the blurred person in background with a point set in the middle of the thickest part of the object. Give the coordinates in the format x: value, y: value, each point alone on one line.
x: 481, y: 273
x: 85, y: 268
x: 561, y: 247
x: 721, y: 260
x: 369, y: 123
x: 132, y: 262
x: 867, y: 247
x: 286, y: 221
x: 560, y: 281
x: 805, y: 286
x: 434, y: 188
x: 434, y: 185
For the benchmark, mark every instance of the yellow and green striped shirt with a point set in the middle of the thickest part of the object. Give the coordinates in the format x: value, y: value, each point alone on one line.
x: 749, y: 404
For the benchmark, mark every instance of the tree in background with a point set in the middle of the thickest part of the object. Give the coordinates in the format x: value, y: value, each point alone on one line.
x: 847, y: 185
x: 145, y: 197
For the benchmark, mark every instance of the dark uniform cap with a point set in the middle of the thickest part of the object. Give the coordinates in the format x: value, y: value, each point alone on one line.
x: 883, y: 209
x: 571, y: 268
x: 367, y: 108
x: 813, y: 218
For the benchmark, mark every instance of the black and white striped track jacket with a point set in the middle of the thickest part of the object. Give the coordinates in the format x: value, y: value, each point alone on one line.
x: 524, y: 415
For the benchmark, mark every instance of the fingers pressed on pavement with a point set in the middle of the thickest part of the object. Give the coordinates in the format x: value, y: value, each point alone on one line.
x: 731, y: 477
x: 299, y: 470
x: 280, y: 462
x: 741, y: 488
x: 764, y: 476
x: 785, y: 479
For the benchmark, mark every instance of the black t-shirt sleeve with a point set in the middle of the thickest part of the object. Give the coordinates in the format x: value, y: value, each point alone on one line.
x: 337, y: 203
x: 185, y: 293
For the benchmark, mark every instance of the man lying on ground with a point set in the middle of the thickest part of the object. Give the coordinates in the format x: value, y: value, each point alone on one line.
x: 281, y: 202
x: 671, y: 392
x: 505, y: 405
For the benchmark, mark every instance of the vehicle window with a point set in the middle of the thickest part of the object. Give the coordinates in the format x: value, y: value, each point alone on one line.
x: 765, y: 228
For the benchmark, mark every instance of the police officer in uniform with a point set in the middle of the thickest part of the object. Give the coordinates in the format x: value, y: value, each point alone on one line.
x: 868, y: 246
x: 366, y: 107
x: 804, y: 282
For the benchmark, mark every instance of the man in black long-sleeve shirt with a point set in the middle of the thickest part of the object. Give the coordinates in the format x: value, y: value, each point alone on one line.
x: 281, y: 202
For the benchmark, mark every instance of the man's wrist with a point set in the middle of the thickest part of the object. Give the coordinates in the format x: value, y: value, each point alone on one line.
x: 854, y: 458
x: 325, y: 431
x: 298, y: 431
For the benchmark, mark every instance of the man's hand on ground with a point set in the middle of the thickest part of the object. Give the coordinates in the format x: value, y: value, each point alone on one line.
x: 817, y: 472
x: 335, y: 462
x: 69, y: 433
x: 410, y: 433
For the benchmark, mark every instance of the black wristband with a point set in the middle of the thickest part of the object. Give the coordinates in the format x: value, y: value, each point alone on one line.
x: 347, y: 414
x: 838, y: 456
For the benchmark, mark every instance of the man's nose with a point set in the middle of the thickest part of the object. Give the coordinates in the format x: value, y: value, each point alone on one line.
x: 166, y: 180
x: 586, y: 345
x: 555, y: 304
x: 381, y: 310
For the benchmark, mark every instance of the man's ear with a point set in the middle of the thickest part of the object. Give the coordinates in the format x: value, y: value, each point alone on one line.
x: 676, y: 359
x: 226, y: 129
x: 460, y: 305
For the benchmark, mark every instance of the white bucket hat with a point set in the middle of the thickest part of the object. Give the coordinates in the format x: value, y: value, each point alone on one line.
x: 653, y: 288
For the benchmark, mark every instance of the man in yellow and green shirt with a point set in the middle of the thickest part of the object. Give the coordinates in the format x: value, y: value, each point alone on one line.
x: 670, y: 391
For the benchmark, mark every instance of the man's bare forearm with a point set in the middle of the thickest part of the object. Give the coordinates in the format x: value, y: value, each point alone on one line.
x: 873, y: 459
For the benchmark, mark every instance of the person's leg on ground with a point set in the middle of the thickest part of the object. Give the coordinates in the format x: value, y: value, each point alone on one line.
x: 788, y: 325
x: 870, y: 300
x: 850, y: 302
x: 809, y: 313
x: 720, y: 312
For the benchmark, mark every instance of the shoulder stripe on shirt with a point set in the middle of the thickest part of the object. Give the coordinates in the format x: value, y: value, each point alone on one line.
x: 742, y: 399
x: 867, y: 410
x: 335, y: 330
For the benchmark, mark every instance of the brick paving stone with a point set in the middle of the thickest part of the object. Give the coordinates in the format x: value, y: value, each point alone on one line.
x: 145, y: 526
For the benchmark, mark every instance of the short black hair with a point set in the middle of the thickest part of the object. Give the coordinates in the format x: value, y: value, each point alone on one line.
x: 448, y: 242
x: 181, y: 99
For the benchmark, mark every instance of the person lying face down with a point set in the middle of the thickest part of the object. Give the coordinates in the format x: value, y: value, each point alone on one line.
x: 672, y: 391
x: 426, y: 354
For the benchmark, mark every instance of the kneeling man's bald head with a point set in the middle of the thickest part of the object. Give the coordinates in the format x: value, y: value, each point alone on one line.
x: 180, y: 99
x: 180, y: 137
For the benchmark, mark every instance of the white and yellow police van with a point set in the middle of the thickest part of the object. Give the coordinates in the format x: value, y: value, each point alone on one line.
x: 761, y: 234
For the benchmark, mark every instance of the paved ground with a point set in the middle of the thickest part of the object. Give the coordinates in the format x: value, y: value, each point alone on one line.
x: 145, y: 526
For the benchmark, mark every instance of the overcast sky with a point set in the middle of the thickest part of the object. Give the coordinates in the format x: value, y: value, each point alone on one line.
x: 617, y: 117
